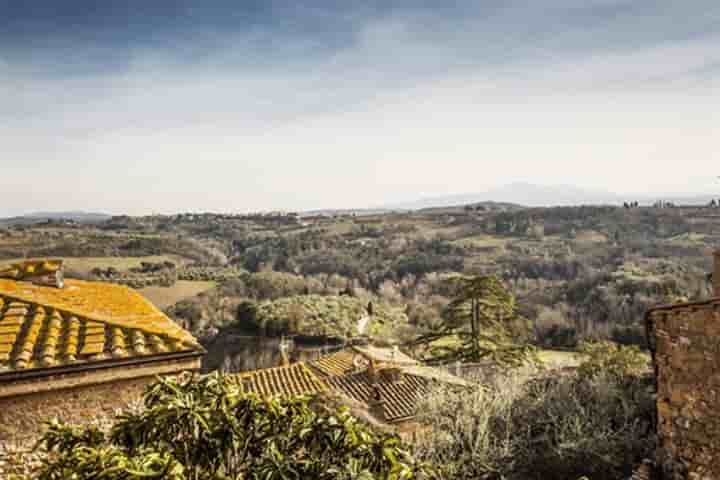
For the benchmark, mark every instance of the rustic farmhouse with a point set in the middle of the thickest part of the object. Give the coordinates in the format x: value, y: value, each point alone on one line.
x: 685, y: 344
x: 74, y: 349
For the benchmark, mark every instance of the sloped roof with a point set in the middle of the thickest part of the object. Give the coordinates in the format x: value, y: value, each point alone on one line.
x: 291, y: 380
x: 30, y: 268
x: 400, y: 396
x: 356, y: 358
x: 335, y: 364
x: 42, y: 327
x: 385, y: 355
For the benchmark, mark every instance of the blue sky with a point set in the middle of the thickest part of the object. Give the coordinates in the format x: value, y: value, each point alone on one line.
x: 164, y: 106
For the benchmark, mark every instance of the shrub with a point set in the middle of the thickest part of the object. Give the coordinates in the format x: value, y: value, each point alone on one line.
x: 608, y: 358
x: 563, y: 427
x: 207, y: 428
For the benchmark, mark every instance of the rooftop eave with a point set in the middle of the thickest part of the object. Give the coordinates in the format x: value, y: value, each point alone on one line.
x: 49, y: 372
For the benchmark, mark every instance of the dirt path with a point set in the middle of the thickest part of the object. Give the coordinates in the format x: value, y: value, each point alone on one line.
x: 363, y: 324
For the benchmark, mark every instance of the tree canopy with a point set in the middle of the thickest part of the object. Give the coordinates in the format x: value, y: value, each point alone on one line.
x: 481, y: 321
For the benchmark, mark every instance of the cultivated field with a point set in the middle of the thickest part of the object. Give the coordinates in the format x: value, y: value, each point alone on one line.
x: 164, y: 297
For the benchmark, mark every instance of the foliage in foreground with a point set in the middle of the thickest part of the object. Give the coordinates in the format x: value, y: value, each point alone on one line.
x: 561, y: 427
x: 206, y: 428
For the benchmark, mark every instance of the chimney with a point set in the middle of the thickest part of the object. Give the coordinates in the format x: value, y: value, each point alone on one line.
x: 372, y: 371
x: 284, y: 347
x: 393, y: 374
x: 716, y: 273
x: 376, y: 403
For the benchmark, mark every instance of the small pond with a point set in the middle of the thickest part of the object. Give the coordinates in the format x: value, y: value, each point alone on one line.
x: 238, y: 351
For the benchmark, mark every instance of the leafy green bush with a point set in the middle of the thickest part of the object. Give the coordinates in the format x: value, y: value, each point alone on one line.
x: 608, y: 358
x: 207, y: 428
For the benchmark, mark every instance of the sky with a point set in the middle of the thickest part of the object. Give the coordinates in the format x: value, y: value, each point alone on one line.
x: 144, y: 107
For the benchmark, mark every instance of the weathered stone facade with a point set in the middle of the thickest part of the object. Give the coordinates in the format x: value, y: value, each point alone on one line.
x: 76, y: 397
x: 22, y: 418
x: 685, y: 342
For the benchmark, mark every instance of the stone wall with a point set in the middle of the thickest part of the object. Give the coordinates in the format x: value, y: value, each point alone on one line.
x: 77, y: 397
x: 685, y: 340
x: 22, y: 417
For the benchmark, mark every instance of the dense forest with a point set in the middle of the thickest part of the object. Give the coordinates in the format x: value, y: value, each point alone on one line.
x: 556, y: 278
x: 577, y: 272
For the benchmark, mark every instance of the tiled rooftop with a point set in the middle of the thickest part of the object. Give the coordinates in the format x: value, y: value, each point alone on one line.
x: 42, y: 326
x: 400, y: 379
x: 399, y: 394
x: 108, y: 303
x: 357, y: 358
x: 30, y: 268
x: 335, y: 364
x: 291, y: 380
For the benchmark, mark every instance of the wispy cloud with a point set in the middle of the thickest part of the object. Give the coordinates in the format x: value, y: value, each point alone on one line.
x: 380, y: 104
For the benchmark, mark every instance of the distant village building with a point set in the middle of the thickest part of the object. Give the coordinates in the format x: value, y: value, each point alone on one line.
x: 74, y: 349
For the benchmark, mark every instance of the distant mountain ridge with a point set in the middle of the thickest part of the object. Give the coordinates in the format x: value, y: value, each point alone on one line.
x: 531, y: 195
x: 39, y: 217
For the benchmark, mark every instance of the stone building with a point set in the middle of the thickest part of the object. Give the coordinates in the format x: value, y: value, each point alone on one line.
x: 76, y: 350
x: 685, y: 344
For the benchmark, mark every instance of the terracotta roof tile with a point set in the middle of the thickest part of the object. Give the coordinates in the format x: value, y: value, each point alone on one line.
x: 400, y: 385
x: 102, y: 302
x: 357, y: 358
x: 292, y: 380
x: 400, y: 393
x: 43, y: 327
x: 335, y: 364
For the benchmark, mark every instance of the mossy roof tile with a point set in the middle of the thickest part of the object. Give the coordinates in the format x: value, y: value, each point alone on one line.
x: 291, y: 380
x: 42, y: 327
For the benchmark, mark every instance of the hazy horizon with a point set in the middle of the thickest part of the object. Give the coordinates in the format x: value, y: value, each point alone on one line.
x: 187, y: 106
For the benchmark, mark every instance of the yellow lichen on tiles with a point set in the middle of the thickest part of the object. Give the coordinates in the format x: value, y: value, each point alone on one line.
x: 118, y: 346
x: 108, y: 303
x: 92, y: 348
x: 52, y: 338
x: 87, y: 322
x: 24, y: 353
x: 137, y: 339
x: 31, y: 267
x: 70, y: 344
x: 157, y: 343
x: 94, y: 328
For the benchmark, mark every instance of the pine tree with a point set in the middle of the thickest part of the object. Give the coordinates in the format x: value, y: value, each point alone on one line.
x: 480, y: 322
